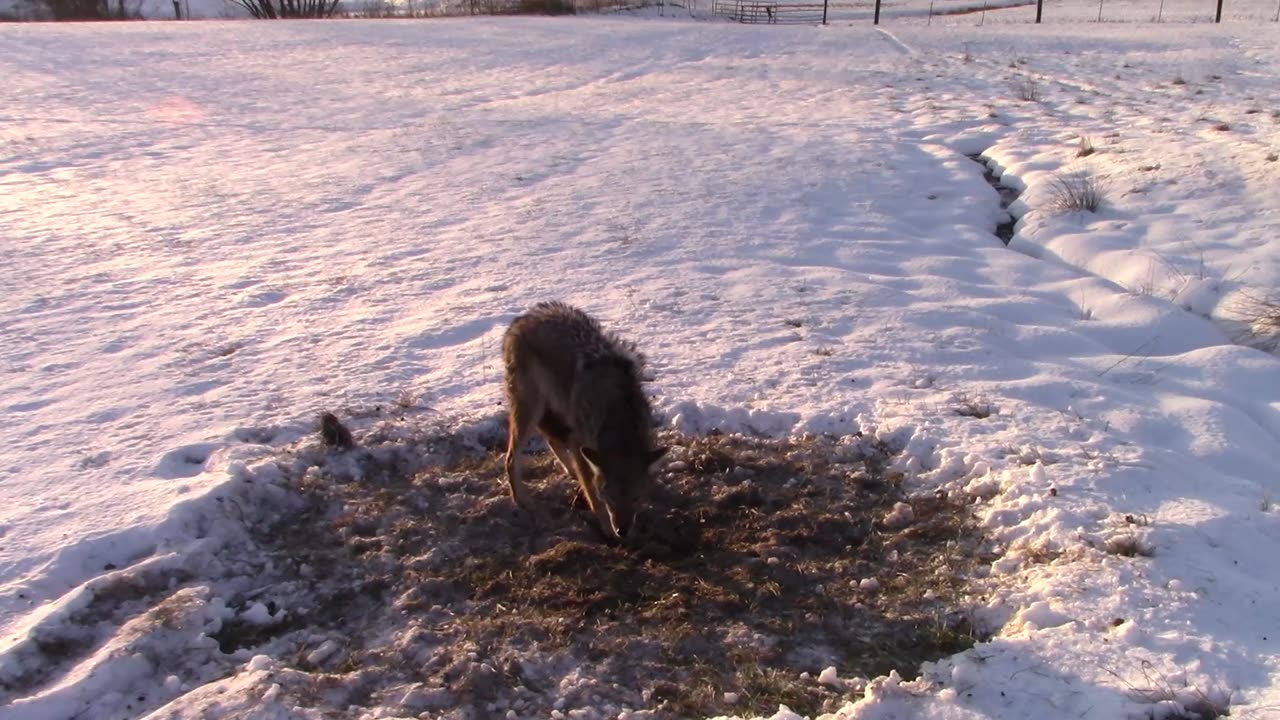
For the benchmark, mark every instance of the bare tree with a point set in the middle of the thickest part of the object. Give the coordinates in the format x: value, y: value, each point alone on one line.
x: 273, y: 9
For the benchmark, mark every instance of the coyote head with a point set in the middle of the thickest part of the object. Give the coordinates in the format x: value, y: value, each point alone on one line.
x: 623, y: 480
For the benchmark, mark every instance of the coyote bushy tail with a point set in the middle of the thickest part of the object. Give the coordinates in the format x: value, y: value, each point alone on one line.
x: 581, y: 388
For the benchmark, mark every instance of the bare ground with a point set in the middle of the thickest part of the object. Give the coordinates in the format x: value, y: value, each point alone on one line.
x: 758, y: 564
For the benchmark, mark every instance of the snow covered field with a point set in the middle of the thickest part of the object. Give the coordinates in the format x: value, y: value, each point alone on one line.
x: 856, y: 12
x: 215, y: 231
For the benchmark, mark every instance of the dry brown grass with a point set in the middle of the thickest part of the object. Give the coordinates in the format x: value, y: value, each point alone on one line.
x: 1076, y: 191
x: 1259, y: 312
x: 743, y: 573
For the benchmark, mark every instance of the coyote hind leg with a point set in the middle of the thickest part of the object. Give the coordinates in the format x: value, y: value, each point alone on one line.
x: 520, y: 422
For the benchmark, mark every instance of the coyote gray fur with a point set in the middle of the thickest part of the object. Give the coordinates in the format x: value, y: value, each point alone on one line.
x: 580, y: 387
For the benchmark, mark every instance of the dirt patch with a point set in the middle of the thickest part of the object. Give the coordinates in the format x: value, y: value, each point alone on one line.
x: 758, y: 564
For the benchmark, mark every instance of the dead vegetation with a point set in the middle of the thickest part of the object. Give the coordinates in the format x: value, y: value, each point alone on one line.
x: 1128, y: 545
x: 1028, y: 90
x: 1259, y: 312
x: 1171, y: 696
x: 758, y: 562
x: 964, y: 405
x: 1076, y: 191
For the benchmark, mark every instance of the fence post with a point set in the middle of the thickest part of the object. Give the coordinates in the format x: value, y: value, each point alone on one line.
x: 1039, y: 10
x: 824, y: 11
x: 1218, y: 18
x: 877, y: 19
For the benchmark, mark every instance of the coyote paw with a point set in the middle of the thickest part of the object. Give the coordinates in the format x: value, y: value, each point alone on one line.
x: 519, y: 504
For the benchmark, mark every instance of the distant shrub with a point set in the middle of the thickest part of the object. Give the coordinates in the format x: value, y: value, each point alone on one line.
x: 547, y: 7
x: 84, y: 10
x: 380, y: 9
x: 24, y: 10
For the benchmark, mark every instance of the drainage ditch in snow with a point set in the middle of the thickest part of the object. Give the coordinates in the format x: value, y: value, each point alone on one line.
x: 1004, y: 230
x: 1263, y: 334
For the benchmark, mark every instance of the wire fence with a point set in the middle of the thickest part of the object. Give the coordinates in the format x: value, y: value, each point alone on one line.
x: 824, y: 12
x: 771, y: 12
x: 776, y: 12
x: 994, y: 11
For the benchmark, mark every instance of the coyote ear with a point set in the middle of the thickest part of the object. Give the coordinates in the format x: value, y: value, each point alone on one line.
x: 591, y: 456
x: 656, y: 455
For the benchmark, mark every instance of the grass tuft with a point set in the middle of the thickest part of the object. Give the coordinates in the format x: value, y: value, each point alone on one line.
x: 1077, y: 191
x: 1167, y: 701
x: 1260, y: 314
x: 1129, y: 545
x: 1029, y: 90
x: 1185, y: 703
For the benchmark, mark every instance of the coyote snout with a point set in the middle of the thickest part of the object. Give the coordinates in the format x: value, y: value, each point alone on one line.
x: 580, y: 387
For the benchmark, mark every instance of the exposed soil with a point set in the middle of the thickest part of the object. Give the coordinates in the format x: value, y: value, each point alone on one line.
x: 757, y: 561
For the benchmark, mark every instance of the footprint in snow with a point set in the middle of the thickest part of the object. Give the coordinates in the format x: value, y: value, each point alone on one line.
x: 262, y: 299
x: 184, y: 462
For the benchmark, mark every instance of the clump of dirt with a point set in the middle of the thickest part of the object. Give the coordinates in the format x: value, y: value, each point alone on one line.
x: 755, y: 562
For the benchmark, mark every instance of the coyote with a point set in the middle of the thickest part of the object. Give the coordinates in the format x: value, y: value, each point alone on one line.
x: 580, y: 387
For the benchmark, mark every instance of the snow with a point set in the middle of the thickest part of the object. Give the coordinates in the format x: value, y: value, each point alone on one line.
x: 831, y: 677
x: 215, y: 231
x: 892, y: 12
